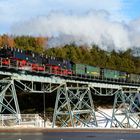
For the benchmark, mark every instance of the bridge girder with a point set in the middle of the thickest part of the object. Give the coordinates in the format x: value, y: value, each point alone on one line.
x: 75, y: 100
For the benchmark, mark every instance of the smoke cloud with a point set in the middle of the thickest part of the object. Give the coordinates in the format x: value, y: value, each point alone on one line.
x: 94, y: 27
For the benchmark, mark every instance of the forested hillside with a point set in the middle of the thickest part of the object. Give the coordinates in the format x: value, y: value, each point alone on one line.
x: 120, y: 60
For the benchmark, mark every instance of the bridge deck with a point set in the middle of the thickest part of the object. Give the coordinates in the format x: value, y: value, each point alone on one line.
x: 60, y: 79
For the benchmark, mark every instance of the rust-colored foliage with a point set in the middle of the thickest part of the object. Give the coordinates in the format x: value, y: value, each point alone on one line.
x: 6, y: 40
x: 40, y: 41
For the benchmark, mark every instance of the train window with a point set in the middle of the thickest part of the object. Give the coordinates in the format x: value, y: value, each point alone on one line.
x: 14, y: 49
x: 33, y: 55
x: 28, y: 52
x: 5, y: 46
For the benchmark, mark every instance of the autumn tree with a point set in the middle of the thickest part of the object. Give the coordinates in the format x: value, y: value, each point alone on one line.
x: 6, y: 40
x: 40, y: 44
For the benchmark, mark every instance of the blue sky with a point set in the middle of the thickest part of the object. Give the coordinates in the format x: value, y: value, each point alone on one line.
x: 15, y: 11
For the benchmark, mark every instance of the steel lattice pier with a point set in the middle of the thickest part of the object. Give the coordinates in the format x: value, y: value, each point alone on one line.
x: 74, y: 104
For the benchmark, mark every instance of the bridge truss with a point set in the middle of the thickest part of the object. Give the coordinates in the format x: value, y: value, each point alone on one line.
x: 74, y: 104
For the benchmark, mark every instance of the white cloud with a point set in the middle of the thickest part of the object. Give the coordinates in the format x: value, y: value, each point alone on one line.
x: 93, y: 27
x: 102, y: 25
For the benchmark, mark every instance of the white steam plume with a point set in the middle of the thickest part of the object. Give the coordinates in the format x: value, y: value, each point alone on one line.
x: 94, y: 27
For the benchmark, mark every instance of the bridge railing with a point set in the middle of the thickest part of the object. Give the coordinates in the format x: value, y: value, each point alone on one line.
x: 26, y: 120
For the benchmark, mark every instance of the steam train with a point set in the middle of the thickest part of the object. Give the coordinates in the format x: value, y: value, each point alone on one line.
x: 30, y: 61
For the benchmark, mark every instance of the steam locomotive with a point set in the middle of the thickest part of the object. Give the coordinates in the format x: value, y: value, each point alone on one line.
x: 30, y: 61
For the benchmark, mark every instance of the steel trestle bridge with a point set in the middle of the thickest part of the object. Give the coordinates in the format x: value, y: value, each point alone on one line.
x: 74, y: 100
